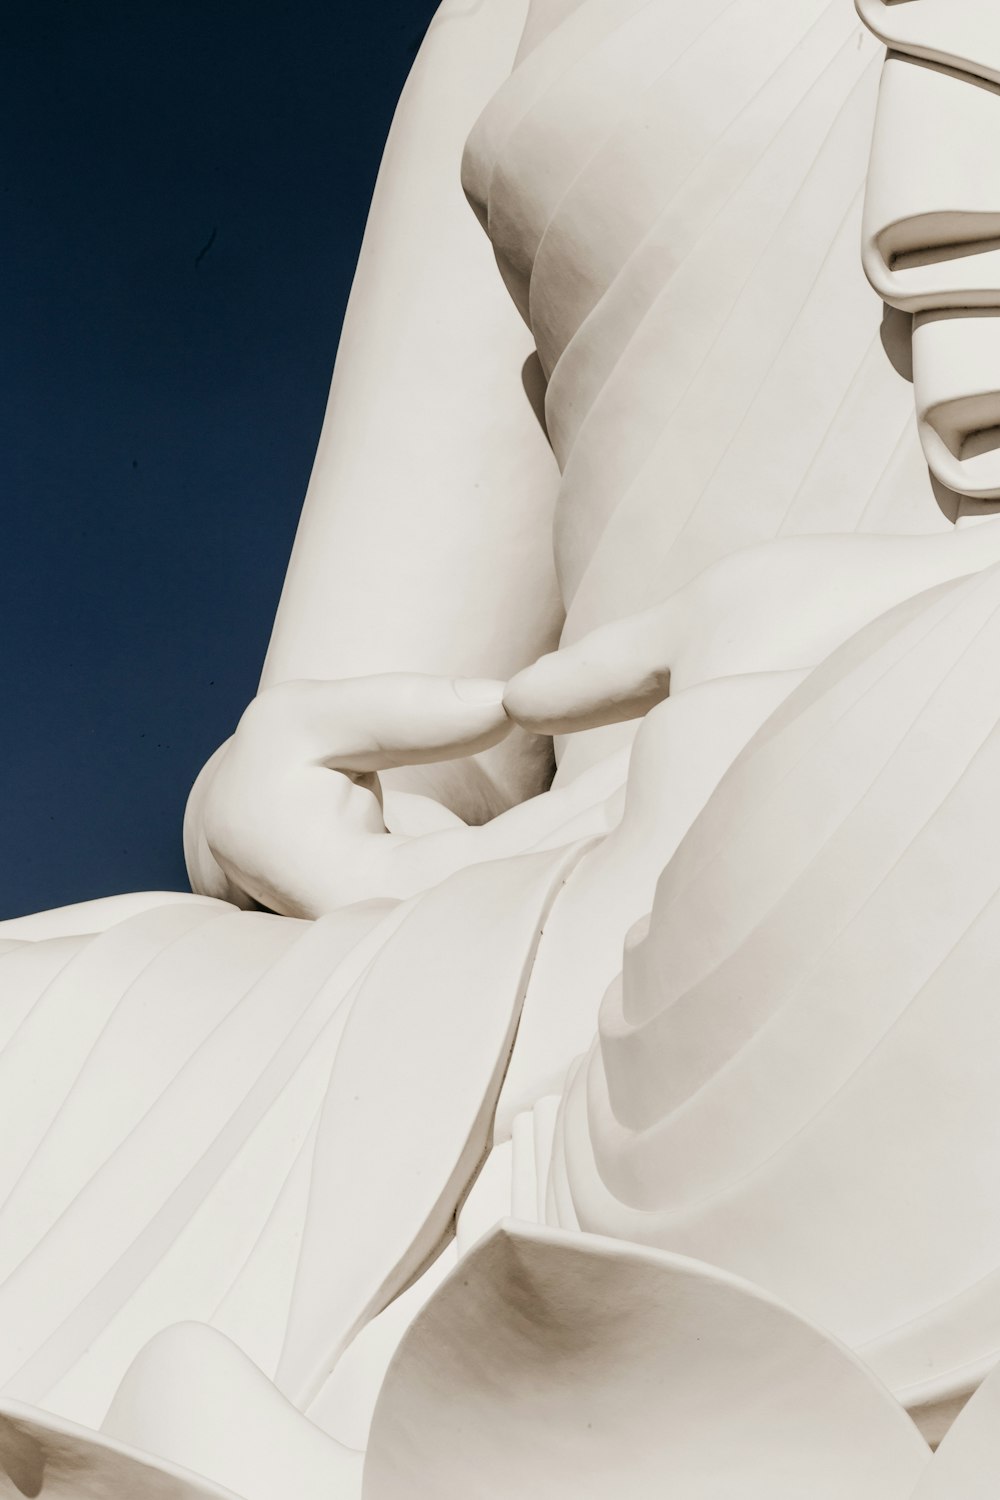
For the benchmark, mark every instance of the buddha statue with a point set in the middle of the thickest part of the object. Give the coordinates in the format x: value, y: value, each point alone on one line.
x: 632, y: 676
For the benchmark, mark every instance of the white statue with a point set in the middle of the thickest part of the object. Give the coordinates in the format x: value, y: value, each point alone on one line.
x: 688, y: 521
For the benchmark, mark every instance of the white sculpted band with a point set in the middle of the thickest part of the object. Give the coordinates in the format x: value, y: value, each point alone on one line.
x: 931, y: 243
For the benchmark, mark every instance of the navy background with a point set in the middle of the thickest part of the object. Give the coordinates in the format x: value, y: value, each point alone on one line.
x: 184, y: 190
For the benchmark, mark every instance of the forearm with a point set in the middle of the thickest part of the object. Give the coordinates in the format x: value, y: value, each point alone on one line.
x: 425, y: 539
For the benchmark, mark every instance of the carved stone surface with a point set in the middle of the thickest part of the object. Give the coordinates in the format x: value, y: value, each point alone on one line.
x: 576, y: 1068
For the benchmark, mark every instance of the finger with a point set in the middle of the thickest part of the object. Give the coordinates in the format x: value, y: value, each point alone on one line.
x: 617, y: 672
x: 206, y: 875
x: 366, y: 724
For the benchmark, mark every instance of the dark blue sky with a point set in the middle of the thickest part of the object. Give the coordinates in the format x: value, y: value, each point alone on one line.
x: 184, y: 188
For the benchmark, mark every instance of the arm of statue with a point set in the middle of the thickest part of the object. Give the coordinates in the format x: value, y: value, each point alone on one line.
x: 290, y: 814
x: 425, y: 542
x: 780, y: 607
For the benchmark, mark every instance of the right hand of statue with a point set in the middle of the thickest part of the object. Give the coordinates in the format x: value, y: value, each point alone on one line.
x: 288, y: 812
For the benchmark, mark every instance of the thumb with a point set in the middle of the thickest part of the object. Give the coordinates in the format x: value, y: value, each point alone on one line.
x: 617, y: 672
x: 366, y: 724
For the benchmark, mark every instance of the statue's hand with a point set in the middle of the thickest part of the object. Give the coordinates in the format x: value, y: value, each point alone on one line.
x: 288, y: 812
x: 617, y: 672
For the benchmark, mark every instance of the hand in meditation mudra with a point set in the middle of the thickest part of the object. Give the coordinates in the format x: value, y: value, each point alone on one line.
x: 644, y: 599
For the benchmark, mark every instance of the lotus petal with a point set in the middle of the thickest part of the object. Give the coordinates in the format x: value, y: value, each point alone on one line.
x: 559, y: 1365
